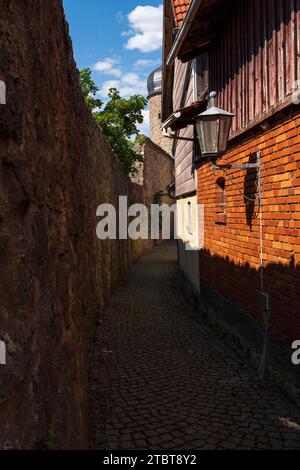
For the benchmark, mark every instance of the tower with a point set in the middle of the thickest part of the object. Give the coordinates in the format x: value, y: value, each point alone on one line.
x: 154, y: 98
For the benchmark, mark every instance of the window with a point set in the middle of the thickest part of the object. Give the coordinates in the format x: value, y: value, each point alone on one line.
x: 200, y: 75
x: 189, y: 226
x: 221, y: 202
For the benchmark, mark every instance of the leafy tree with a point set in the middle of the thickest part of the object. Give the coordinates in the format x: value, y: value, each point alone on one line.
x: 118, y: 119
x: 89, y: 90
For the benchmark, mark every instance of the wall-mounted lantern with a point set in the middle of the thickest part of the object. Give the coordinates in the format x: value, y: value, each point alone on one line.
x: 213, y: 127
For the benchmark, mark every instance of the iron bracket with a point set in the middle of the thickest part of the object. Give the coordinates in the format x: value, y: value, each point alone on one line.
x: 245, y: 167
x: 238, y: 167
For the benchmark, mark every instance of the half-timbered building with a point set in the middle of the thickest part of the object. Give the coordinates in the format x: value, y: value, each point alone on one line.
x: 247, y: 270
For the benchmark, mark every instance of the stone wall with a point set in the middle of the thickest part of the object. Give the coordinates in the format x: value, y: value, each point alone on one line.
x: 55, y: 275
x: 156, y: 134
x: 155, y: 174
x: 158, y: 172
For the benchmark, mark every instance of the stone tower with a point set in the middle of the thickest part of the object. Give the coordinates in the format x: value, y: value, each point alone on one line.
x: 154, y: 97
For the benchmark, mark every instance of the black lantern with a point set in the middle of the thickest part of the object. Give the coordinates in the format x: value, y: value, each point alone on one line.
x: 213, y: 127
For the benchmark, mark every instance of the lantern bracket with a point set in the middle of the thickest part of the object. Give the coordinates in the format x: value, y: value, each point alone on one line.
x: 242, y: 166
x: 175, y: 137
x: 245, y: 166
x: 237, y: 167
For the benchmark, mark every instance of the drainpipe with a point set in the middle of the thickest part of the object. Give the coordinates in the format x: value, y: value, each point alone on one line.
x: 189, y: 19
x: 265, y: 306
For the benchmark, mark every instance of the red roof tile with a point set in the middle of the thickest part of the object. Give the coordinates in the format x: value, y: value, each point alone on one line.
x: 180, y: 8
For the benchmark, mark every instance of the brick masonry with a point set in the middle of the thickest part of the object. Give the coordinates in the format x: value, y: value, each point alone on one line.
x: 230, y: 260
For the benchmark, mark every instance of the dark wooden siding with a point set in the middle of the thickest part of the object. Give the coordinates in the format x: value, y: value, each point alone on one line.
x: 255, y: 62
x: 183, y: 150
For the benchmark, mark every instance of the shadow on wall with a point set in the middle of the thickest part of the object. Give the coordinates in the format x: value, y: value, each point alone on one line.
x: 241, y: 285
x: 233, y: 290
x: 251, y: 190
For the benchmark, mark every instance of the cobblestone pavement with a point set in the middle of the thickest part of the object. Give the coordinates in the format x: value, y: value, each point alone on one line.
x: 161, y: 378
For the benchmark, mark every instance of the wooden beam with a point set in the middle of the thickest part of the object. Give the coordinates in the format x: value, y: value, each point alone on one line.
x: 191, y: 50
x: 205, y: 28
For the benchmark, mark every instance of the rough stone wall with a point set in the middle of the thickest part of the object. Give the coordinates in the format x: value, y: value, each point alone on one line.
x: 156, y: 134
x: 55, y: 275
x: 158, y: 172
x: 155, y: 172
x: 154, y: 175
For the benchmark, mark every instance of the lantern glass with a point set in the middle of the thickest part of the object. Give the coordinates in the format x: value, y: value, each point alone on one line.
x: 224, y: 129
x: 207, y: 130
x: 213, y: 127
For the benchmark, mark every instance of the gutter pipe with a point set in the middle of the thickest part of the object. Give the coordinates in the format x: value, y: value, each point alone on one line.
x: 180, y: 38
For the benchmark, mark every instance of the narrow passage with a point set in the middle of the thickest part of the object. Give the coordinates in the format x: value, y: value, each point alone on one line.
x: 162, y: 379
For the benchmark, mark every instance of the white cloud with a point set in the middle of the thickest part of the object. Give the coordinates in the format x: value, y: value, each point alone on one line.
x: 109, y: 67
x: 133, y: 84
x: 146, y: 26
x: 132, y: 78
x: 106, y: 86
x: 144, y: 63
x: 129, y: 84
x: 127, y: 33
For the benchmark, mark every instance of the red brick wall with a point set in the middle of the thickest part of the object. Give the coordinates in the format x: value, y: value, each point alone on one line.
x: 230, y: 260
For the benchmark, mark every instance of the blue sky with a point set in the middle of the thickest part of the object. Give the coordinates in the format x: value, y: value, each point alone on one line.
x: 120, y: 40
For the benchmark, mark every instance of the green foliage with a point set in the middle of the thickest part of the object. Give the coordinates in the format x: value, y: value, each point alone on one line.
x: 118, y: 119
x: 141, y: 139
x: 157, y: 197
x: 89, y: 90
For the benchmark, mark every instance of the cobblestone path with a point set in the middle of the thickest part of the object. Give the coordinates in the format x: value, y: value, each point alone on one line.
x: 161, y: 378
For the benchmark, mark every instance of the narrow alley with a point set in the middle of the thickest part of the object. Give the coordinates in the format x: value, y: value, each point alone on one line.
x: 162, y: 379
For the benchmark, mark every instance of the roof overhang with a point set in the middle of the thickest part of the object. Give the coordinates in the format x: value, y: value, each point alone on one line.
x: 184, y: 116
x: 201, y: 25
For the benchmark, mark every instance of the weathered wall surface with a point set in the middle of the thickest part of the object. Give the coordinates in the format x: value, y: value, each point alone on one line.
x: 55, y: 275
x: 154, y: 175
x: 265, y: 69
x: 158, y: 172
x: 156, y: 134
